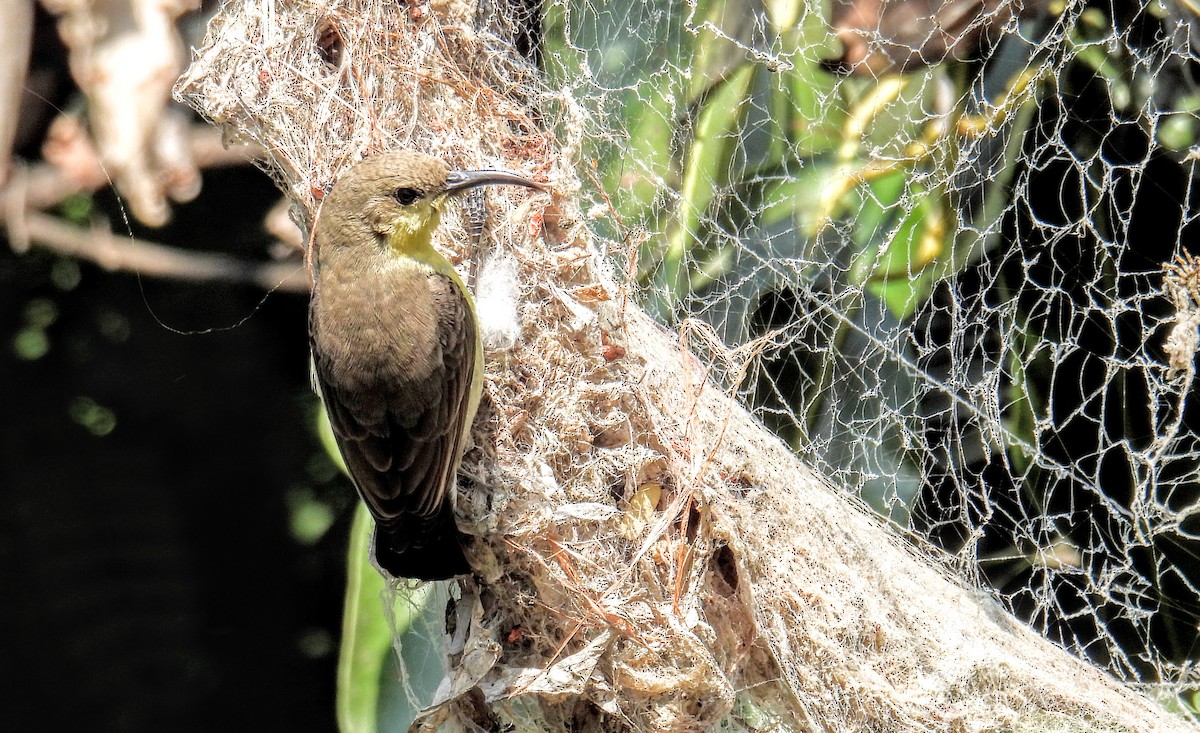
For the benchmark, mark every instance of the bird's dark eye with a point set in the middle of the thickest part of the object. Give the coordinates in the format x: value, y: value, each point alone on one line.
x: 405, y: 195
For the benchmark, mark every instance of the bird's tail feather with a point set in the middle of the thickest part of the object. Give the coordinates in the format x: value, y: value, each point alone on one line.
x: 423, y: 553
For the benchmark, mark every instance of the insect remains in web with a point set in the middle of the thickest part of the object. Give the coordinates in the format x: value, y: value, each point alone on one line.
x: 475, y: 219
x: 475, y: 213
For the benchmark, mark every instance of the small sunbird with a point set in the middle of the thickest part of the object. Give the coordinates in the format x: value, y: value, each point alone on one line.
x: 396, y: 351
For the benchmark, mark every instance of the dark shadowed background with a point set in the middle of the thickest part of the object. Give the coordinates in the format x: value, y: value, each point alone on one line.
x: 172, y: 536
x: 148, y: 467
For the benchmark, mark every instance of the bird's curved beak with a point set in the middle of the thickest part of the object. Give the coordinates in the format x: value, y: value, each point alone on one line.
x: 459, y: 181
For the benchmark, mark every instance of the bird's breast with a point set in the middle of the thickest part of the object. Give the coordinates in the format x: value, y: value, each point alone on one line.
x: 376, y: 325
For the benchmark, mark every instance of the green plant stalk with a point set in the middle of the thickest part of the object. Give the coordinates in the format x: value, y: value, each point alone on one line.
x: 711, y: 153
x: 824, y: 382
x: 970, y: 245
x: 635, y: 176
x: 366, y: 638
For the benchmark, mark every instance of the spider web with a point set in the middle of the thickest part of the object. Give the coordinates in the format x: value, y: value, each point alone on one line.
x: 951, y: 263
x: 963, y: 291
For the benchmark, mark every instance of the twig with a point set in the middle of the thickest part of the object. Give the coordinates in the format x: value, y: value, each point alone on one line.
x: 17, y: 20
x: 135, y: 255
x: 42, y: 186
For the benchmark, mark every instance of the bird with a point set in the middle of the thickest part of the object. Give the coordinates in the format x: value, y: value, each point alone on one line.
x: 396, y: 353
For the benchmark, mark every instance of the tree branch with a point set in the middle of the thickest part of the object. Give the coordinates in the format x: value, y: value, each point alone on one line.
x: 32, y: 190
x: 16, y: 17
x: 129, y: 254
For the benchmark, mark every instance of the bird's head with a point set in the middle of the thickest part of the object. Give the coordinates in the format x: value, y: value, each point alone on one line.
x: 398, y: 197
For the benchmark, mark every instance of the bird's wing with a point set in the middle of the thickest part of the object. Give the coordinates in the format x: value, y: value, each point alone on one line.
x: 402, y: 441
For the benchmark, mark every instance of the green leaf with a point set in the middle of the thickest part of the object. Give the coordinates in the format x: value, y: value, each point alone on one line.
x: 366, y: 638
x: 708, y: 169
